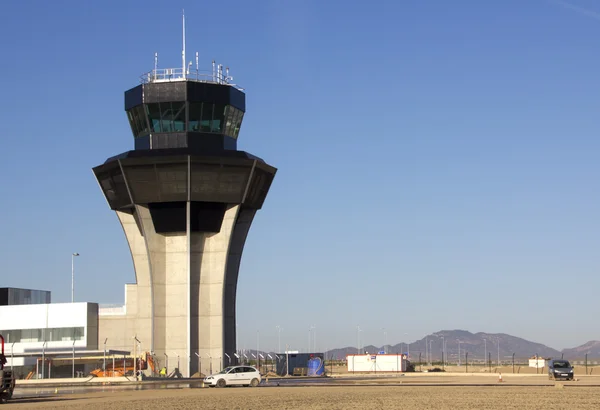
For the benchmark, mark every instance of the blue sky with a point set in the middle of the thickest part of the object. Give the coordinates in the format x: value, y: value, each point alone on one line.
x: 438, y: 161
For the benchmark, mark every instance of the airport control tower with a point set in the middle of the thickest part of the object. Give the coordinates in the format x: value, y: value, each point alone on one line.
x: 185, y: 197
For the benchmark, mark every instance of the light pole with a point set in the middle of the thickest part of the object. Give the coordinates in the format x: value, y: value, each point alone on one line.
x: 484, y: 351
x: 498, y: 353
x: 407, y: 347
x: 104, y: 361
x: 139, y: 368
x: 278, y: 338
x: 73, y: 276
x: 443, y: 352
x: 384, y: 340
x: 73, y: 369
x: 357, y: 339
x: 12, y: 357
x: 459, y: 342
x: 430, y: 353
x: 209, y: 358
x: 43, y: 358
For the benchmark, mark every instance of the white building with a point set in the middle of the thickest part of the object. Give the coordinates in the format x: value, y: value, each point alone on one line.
x: 377, y: 362
x: 537, y: 362
x: 47, y: 328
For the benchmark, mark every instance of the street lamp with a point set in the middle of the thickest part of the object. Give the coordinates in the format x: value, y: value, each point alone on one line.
x: 459, y: 342
x: 104, y: 362
x: 498, y: 352
x: 484, y: 351
x: 443, y: 353
x: 430, y: 352
x: 384, y: 340
x: 139, y: 368
x: 73, y: 368
x: 73, y: 276
x: 358, y: 339
x: 209, y: 358
x: 279, y: 328
x: 199, y: 366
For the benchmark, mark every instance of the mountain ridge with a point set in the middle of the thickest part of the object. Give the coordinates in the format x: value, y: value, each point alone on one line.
x: 496, y: 346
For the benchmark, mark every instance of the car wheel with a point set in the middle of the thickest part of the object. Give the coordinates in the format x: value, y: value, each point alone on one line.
x: 254, y: 383
x: 221, y: 383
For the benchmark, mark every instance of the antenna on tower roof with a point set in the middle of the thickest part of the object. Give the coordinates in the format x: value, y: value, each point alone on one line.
x: 183, y: 51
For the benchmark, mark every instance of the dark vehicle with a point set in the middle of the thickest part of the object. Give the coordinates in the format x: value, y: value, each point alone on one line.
x: 7, y: 381
x: 560, y: 369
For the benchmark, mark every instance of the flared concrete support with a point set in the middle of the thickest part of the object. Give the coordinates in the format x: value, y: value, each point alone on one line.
x: 183, y: 303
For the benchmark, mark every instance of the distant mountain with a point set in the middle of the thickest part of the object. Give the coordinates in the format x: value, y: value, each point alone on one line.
x: 592, y: 348
x: 476, y: 345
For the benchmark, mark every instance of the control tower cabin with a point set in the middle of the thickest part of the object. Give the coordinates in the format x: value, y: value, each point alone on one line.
x: 185, y: 197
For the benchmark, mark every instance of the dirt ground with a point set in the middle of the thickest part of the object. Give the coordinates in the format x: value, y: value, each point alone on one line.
x: 329, y: 397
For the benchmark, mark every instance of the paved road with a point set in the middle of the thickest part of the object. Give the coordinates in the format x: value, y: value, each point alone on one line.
x: 347, y: 381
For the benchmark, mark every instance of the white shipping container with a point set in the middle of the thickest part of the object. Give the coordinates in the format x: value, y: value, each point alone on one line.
x: 376, y: 363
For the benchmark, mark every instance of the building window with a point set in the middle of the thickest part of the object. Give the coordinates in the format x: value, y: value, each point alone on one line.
x: 195, y: 116
x: 238, y: 124
x: 137, y: 121
x: 43, y: 335
x: 218, y: 119
x: 153, y: 112
x: 207, y: 112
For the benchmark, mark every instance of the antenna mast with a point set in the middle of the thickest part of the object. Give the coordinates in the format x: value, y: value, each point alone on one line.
x: 183, y: 51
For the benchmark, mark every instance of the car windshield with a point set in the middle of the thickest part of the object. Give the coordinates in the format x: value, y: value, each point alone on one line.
x: 226, y: 370
x: 563, y: 364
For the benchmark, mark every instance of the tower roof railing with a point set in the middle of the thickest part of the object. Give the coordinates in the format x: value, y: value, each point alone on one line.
x: 166, y: 75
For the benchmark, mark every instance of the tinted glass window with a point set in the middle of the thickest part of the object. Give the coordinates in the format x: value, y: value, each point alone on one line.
x: 229, y: 114
x: 194, y: 116
x: 178, y: 115
x: 165, y: 117
x: 132, y: 123
x: 153, y: 111
x: 238, y: 124
x: 140, y: 120
x: 46, y: 334
x: 218, y: 119
x: 207, y: 112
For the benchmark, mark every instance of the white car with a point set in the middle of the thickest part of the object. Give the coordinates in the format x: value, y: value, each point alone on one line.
x: 234, y: 376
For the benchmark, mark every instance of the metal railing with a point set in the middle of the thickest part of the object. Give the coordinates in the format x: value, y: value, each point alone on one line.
x: 162, y: 75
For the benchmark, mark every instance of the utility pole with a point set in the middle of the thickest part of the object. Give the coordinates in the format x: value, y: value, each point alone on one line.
x: 485, y: 351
